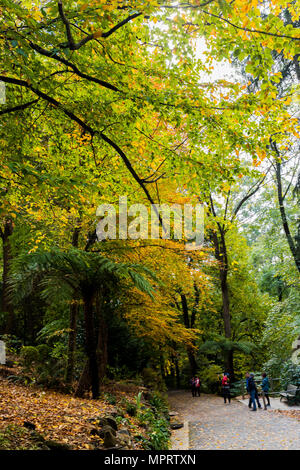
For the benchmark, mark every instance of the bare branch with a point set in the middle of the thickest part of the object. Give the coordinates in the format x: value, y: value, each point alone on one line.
x: 250, y: 193
x: 251, y: 30
x: 75, y: 69
x: 19, y: 107
x: 119, y: 25
x: 71, y: 42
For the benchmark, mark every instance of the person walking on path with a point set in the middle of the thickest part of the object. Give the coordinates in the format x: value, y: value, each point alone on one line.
x: 193, y: 388
x: 197, y: 386
x: 265, y: 385
x: 226, y: 388
x: 256, y: 394
x: 253, y: 391
x: 247, y: 387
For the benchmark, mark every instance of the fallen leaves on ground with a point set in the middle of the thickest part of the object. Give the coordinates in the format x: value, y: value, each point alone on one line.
x: 291, y: 413
x: 56, y: 416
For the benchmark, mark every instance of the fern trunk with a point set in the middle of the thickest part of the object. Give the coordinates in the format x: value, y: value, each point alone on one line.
x: 90, y: 344
x: 7, y: 259
x: 71, y: 342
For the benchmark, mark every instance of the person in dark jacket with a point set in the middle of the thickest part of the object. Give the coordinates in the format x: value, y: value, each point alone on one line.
x: 247, y: 387
x: 265, y: 385
x: 253, y: 391
x: 193, y: 388
x: 256, y: 394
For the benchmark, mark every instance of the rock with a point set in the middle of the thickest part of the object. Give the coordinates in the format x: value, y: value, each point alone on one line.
x: 104, y: 421
x: 108, y: 428
x: 124, y: 440
x: 57, y: 446
x: 109, y: 438
x: 101, y: 431
x: 48, y: 444
x: 110, y: 420
x: 173, y: 413
x: 124, y: 431
x: 176, y: 425
x: 97, y: 420
x: 29, y: 425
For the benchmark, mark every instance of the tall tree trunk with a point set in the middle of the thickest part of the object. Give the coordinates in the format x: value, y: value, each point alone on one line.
x: 190, y: 350
x: 285, y: 224
x: 226, y: 307
x: 102, y: 339
x: 220, y: 247
x: 225, y: 304
x: 90, y: 343
x: 229, y: 364
x: 84, y: 381
x: 101, y: 354
x: 6, y: 306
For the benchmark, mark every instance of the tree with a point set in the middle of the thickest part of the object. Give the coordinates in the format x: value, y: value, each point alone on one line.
x: 82, y: 273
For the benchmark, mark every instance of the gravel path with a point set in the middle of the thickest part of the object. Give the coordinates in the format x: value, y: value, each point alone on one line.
x: 211, y: 424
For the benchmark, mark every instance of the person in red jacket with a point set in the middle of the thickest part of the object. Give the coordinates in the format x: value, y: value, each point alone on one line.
x: 226, y: 388
x: 197, y: 386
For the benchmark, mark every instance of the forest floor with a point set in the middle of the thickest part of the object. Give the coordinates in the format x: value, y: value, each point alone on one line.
x: 58, y: 417
x: 211, y: 424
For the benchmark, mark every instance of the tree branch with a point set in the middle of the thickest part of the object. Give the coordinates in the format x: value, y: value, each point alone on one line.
x: 251, y: 30
x: 75, y: 46
x: 89, y: 129
x: 75, y: 69
x: 71, y: 42
x: 247, y: 196
x: 19, y: 107
x: 119, y: 25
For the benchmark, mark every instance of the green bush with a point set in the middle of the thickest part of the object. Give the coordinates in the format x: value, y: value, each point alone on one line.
x: 290, y: 374
x: 153, y: 379
x: 43, y: 351
x: 159, y: 404
x: 156, y: 420
x: 111, y: 399
x: 158, y: 430
x: 29, y: 356
x: 131, y: 409
x: 210, y: 378
x: 41, y: 366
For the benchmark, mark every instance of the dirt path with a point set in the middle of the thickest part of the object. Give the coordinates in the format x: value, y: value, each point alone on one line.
x: 210, y: 424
